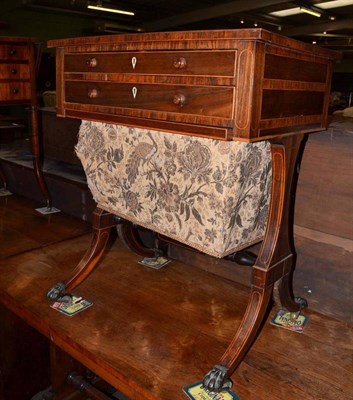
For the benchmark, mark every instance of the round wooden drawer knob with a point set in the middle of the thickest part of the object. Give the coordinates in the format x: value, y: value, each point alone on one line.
x: 179, y: 99
x: 91, y: 62
x: 14, y: 91
x: 14, y: 71
x: 180, y: 63
x: 13, y: 52
x: 93, y: 93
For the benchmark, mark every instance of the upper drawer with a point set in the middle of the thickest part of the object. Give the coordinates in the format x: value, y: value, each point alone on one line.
x: 14, y: 52
x: 215, y: 63
x: 195, y: 100
x: 14, y: 71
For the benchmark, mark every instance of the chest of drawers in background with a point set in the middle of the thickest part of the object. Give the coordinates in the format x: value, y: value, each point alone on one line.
x: 238, y: 84
x: 17, y: 70
x: 19, y: 57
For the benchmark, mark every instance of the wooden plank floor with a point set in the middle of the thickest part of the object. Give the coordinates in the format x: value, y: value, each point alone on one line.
x: 149, y: 333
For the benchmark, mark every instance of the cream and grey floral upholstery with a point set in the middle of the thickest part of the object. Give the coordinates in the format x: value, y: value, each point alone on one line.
x: 209, y: 194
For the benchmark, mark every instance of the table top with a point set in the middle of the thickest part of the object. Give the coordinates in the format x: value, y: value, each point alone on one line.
x: 223, y: 38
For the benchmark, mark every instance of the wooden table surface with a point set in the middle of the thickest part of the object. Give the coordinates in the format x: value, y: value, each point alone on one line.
x: 150, y: 333
x: 22, y: 228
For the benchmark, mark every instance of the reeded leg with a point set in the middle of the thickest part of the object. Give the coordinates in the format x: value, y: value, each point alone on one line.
x: 102, y: 225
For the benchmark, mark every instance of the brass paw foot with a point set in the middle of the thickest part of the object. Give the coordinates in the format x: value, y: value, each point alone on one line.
x: 301, y: 302
x: 217, y: 379
x: 56, y: 291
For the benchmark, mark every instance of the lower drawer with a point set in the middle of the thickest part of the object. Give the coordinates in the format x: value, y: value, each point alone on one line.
x: 196, y: 100
x: 15, y: 91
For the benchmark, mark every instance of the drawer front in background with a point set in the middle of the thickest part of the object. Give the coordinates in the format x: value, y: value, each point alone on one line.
x: 14, y: 71
x: 15, y: 91
x: 14, y: 52
x: 217, y: 63
x: 197, y: 100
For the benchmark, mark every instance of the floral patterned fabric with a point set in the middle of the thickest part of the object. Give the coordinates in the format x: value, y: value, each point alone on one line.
x: 211, y: 195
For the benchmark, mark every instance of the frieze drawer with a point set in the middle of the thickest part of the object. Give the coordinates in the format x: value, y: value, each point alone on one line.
x: 197, y: 100
x: 217, y: 63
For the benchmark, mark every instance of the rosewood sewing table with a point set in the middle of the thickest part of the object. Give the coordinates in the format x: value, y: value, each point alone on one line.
x: 241, y: 88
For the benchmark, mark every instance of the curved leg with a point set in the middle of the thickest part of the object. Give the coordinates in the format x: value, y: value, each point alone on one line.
x: 102, y: 225
x: 37, y: 163
x: 275, y: 262
x: 218, y: 378
x: 129, y: 236
x: 36, y: 54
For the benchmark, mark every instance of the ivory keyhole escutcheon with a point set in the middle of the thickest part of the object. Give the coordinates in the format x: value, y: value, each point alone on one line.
x: 134, y: 91
x: 133, y: 62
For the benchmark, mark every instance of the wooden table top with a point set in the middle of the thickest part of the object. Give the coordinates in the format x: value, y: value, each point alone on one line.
x: 24, y: 229
x: 149, y: 333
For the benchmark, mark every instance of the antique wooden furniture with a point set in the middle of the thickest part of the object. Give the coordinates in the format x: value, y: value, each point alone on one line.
x: 230, y: 85
x: 19, y: 58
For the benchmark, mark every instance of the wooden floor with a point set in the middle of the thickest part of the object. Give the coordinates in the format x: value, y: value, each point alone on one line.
x: 150, y: 333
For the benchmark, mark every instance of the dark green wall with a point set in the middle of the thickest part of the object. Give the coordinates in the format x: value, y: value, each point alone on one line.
x: 345, y: 65
x: 46, y: 25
